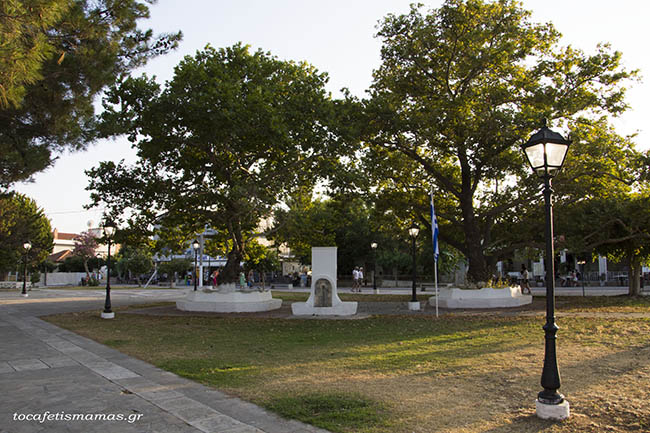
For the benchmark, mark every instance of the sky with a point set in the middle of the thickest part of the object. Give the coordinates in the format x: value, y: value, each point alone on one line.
x: 336, y: 37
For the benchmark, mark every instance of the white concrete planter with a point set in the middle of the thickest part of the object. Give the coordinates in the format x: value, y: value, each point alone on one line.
x: 228, y: 300
x: 486, y: 297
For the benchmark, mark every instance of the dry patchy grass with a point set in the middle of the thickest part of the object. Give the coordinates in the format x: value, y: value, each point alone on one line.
x: 454, y: 374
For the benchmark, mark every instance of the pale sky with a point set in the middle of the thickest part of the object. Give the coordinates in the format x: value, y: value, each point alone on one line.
x: 336, y: 37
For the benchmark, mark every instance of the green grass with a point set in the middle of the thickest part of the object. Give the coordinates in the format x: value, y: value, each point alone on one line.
x: 621, y: 303
x: 332, y: 411
x: 350, y: 375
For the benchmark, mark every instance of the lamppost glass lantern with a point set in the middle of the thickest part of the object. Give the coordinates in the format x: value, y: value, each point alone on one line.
x: 546, y: 151
x: 195, y: 246
x: 109, y: 230
x: 414, y: 231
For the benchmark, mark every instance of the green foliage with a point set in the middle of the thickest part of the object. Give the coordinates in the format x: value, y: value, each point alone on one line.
x: 35, y: 276
x: 133, y: 260
x: 219, y: 144
x: 615, y: 226
x: 22, y: 220
x: 78, y: 264
x: 458, y: 91
x: 25, y: 46
x: 174, y: 266
x: 56, y: 56
x: 260, y: 257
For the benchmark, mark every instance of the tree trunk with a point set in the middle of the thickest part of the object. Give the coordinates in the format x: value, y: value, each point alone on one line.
x: 478, y: 265
x: 634, y: 277
x: 230, y: 272
x: 86, y: 268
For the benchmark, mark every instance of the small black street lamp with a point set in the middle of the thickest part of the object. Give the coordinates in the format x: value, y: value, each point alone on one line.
x: 373, y: 245
x: 546, y: 151
x: 109, y: 230
x: 196, y: 246
x: 413, y: 232
x: 27, y: 246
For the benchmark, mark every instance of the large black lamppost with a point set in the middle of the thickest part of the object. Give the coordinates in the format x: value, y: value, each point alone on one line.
x: 27, y: 246
x: 546, y: 151
x: 373, y: 245
x: 195, y: 246
x: 413, y: 232
x: 109, y: 231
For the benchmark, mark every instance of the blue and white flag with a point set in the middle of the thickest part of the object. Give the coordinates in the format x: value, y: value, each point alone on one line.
x: 434, y: 230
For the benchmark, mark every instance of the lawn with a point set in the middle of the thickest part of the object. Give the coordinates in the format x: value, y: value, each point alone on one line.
x: 458, y: 373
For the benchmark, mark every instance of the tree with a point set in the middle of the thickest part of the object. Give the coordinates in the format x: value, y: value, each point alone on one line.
x: 458, y: 91
x: 220, y: 144
x: 134, y: 261
x: 55, y: 57
x: 616, y: 226
x: 25, y: 44
x: 173, y: 267
x: 85, y: 246
x: 22, y: 220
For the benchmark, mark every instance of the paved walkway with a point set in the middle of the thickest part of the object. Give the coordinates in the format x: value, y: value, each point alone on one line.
x: 52, y: 380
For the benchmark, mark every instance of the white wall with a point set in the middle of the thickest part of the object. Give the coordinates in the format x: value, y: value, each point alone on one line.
x: 62, y: 279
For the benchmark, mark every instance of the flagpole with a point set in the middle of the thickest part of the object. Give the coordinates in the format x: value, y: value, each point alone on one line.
x: 435, y: 268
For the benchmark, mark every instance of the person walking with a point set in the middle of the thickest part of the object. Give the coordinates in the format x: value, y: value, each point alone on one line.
x: 524, y: 280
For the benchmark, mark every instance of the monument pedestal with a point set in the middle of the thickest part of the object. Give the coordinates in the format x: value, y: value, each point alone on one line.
x: 323, y: 299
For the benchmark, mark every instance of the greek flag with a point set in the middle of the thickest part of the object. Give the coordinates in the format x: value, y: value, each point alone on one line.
x: 434, y: 230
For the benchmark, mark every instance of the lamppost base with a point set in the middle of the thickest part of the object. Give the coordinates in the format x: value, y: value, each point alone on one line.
x: 414, y: 306
x: 555, y: 412
x: 375, y: 291
x: 24, y: 295
x: 110, y: 315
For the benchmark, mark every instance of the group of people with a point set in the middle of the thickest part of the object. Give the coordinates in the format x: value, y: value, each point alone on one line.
x: 357, y: 279
x: 572, y: 280
x: 244, y: 280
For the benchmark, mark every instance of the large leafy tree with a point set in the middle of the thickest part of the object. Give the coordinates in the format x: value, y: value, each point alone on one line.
x: 22, y: 220
x: 616, y: 226
x: 458, y: 90
x: 56, y: 56
x: 221, y: 144
x: 134, y: 261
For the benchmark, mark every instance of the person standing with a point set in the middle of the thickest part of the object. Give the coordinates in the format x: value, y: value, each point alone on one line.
x: 355, y: 279
x: 524, y: 280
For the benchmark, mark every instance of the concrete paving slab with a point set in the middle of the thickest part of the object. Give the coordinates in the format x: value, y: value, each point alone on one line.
x: 27, y: 364
x: 48, y: 369
x: 109, y: 370
x: 6, y: 368
x: 215, y: 423
x: 59, y: 361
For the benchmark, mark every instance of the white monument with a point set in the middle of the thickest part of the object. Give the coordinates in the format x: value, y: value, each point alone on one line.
x: 228, y: 298
x: 323, y: 299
